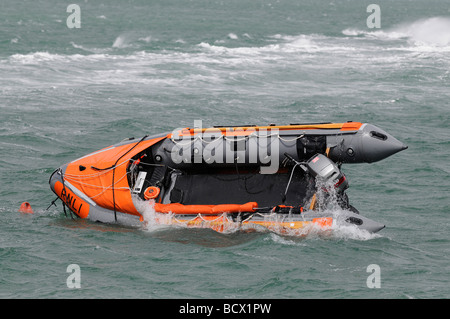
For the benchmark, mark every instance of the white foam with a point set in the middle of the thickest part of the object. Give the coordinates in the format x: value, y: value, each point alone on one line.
x: 353, y: 32
x: 289, y: 44
x: 90, y: 50
x: 153, y: 221
x: 280, y: 46
x: 76, y: 46
x: 336, y: 232
x: 283, y: 240
x: 214, y: 48
x: 431, y: 32
x: 34, y: 58
x: 378, y: 34
x: 352, y: 232
x: 147, y: 39
x: 44, y: 57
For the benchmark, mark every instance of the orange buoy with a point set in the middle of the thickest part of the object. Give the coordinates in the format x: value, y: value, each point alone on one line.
x: 25, y: 207
x: 151, y: 192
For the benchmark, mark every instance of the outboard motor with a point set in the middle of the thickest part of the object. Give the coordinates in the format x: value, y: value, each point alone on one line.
x: 326, y: 170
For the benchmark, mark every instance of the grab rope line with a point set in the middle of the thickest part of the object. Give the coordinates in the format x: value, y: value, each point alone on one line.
x: 104, y: 189
x: 103, y: 172
x: 186, y: 222
x: 114, y: 173
x: 199, y: 137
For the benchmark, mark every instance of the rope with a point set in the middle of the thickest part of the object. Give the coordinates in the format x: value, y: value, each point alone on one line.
x: 199, y: 137
x: 289, y: 182
x: 103, y: 171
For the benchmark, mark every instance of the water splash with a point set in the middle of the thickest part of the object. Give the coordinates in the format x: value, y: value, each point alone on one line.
x: 329, y: 203
x: 122, y: 41
x: 150, y: 221
x: 433, y: 32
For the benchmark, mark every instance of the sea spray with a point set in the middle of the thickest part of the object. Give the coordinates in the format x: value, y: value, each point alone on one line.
x: 149, y: 215
x: 151, y: 220
x: 154, y: 221
x: 432, y: 32
x: 331, y: 202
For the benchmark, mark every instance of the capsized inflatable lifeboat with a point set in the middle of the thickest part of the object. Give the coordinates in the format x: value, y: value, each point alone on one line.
x: 283, y: 178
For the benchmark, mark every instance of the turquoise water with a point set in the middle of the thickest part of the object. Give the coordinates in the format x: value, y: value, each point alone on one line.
x: 145, y: 67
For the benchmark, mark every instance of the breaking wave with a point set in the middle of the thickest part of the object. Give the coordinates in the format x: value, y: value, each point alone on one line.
x: 276, y: 44
x: 42, y: 57
x: 433, y: 31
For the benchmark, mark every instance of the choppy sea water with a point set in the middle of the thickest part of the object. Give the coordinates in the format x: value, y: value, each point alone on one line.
x: 141, y: 67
